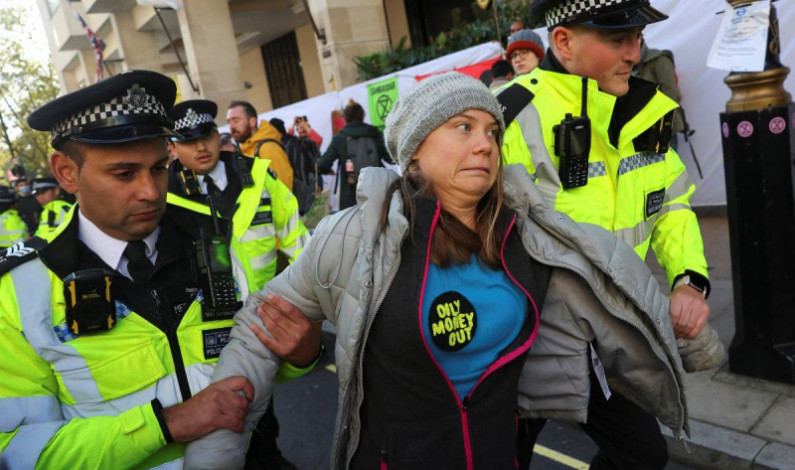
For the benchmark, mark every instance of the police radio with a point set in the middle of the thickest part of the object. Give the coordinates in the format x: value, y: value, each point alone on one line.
x: 188, y: 182
x: 214, y: 263
x: 90, y: 306
x: 573, y: 145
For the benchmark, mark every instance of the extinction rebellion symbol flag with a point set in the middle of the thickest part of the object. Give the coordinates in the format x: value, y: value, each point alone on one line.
x: 381, y: 96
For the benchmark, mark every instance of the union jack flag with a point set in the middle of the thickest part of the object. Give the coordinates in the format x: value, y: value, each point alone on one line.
x: 96, y: 42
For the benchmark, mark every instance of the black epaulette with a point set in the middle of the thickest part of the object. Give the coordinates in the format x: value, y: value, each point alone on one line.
x: 20, y: 253
x: 656, y: 138
x: 272, y: 173
x: 241, y: 167
x: 513, y: 100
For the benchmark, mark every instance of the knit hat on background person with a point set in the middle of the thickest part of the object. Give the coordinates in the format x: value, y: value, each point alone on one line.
x: 279, y: 125
x: 428, y: 105
x: 525, y: 39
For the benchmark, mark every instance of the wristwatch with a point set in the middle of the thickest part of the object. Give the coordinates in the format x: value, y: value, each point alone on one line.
x: 694, y: 280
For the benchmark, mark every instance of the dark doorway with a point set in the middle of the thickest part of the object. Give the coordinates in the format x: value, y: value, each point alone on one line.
x: 283, y: 68
x: 428, y: 19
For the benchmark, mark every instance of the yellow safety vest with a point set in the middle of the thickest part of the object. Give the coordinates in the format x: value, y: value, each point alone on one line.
x: 266, y: 219
x: 12, y: 228
x: 85, y: 400
x: 52, y: 216
x: 641, y: 196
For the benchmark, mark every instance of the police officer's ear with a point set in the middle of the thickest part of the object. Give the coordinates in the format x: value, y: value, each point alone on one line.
x: 562, y: 40
x: 66, y: 170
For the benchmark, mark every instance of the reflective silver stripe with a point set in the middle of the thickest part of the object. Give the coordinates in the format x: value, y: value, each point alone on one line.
x: 671, y: 208
x: 239, y: 273
x: 636, y: 235
x: 13, y: 233
x: 639, y: 160
x: 18, y: 411
x: 548, y: 181
x: 199, y: 376
x: 166, y: 390
x: 300, y: 242
x: 261, y: 262
x: 258, y: 232
x: 24, y: 449
x: 679, y: 187
x: 35, y: 312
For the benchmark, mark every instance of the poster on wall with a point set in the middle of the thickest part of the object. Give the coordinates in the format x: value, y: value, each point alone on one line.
x: 381, y: 96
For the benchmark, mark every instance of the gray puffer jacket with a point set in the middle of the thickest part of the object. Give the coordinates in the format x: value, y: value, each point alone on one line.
x: 602, y: 295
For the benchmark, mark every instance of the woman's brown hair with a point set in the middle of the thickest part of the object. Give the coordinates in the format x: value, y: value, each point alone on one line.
x: 453, y: 242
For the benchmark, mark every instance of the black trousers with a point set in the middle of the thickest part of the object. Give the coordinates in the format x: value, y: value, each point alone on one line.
x: 628, y: 437
x: 263, y: 453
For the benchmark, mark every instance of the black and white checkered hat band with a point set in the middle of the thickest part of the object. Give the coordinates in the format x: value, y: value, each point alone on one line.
x: 38, y: 186
x: 192, y: 120
x: 571, y: 9
x: 136, y: 102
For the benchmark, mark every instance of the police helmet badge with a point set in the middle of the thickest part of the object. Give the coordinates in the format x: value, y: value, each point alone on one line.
x: 136, y: 96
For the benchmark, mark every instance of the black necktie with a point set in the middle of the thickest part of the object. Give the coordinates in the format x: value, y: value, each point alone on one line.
x: 138, y: 264
x: 212, y: 189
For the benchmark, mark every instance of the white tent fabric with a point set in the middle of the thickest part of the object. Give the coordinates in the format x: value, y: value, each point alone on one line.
x: 318, y: 109
x: 689, y: 33
x: 407, y: 77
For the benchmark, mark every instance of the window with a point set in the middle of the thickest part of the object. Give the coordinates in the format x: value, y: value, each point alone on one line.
x: 283, y: 68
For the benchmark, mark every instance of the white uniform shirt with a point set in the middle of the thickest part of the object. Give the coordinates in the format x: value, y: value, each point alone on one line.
x: 111, y: 250
x: 218, y: 175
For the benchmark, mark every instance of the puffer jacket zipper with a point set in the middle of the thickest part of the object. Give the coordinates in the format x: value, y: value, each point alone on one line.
x: 464, y: 405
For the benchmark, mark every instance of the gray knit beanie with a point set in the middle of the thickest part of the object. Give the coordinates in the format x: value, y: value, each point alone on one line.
x: 429, y: 105
x: 525, y: 39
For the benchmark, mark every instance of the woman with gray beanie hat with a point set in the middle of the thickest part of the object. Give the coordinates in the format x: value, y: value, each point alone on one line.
x: 434, y: 281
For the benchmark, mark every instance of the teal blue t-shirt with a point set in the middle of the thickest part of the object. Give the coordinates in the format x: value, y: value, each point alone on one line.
x: 470, y: 313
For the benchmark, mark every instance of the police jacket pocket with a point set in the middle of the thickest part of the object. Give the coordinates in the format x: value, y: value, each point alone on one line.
x: 104, y: 377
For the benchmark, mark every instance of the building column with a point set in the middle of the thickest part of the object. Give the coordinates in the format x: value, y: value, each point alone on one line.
x: 138, y: 48
x: 351, y: 30
x: 211, y: 50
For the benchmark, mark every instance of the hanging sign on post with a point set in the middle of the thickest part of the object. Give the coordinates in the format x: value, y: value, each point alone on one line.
x: 741, y: 43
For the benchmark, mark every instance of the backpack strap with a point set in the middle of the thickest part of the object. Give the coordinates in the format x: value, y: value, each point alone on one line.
x: 265, y: 141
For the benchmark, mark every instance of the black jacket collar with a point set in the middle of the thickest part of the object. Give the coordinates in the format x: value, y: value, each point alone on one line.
x: 626, y: 107
x: 67, y: 254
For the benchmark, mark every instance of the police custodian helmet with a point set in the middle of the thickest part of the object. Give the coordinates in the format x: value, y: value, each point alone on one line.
x: 46, y: 182
x: 7, y: 195
x: 124, y: 108
x: 194, y: 119
x: 602, y: 14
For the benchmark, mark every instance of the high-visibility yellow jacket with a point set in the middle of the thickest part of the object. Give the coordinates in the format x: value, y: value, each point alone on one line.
x: 52, y: 216
x: 266, y: 220
x: 85, y: 401
x: 637, y: 193
x: 12, y: 228
x: 266, y: 143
